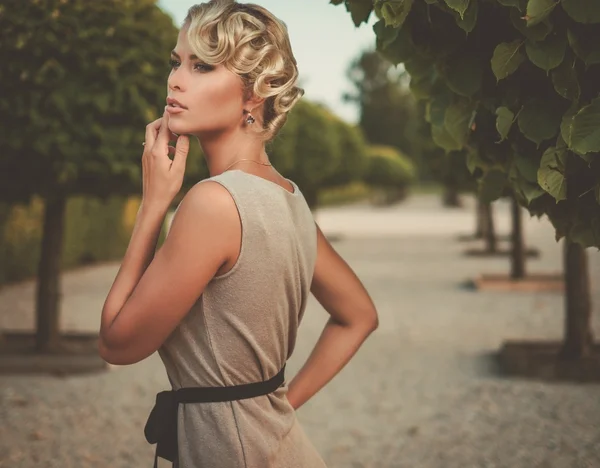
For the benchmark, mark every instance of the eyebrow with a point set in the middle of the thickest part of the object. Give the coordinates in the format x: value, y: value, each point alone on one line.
x: 176, y: 55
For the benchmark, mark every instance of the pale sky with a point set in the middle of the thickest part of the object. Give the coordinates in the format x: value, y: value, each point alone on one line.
x: 324, y: 41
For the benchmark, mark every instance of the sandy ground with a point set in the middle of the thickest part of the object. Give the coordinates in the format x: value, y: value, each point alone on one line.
x: 423, y: 391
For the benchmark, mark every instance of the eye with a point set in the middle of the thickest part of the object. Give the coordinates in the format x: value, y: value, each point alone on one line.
x: 203, y: 67
x: 173, y: 63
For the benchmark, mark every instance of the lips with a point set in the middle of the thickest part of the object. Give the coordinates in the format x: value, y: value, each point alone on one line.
x: 174, y: 103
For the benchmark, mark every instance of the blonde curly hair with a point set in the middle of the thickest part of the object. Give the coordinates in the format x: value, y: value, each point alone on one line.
x: 251, y: 42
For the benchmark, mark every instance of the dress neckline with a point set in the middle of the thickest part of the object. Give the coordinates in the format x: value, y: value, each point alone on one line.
x: 295, y: 193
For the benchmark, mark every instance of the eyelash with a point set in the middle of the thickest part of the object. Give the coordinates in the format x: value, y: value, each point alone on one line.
x: 175, y: 63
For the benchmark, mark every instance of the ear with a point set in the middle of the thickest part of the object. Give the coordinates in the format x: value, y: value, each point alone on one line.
x: 253, y: 101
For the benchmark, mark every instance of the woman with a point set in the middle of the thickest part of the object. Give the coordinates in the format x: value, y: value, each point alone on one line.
x: 222, y: 299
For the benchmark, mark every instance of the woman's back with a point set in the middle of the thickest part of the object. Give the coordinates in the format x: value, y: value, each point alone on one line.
x: 243, y: 329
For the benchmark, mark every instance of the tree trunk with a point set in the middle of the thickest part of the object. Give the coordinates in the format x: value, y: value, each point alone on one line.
x: 489, y: 230
x: 578, y: 337
x: 517, y: 259
x: 5, y: 210
x: 480, y: 219
x: 48, y: 278
x: 451, y: 198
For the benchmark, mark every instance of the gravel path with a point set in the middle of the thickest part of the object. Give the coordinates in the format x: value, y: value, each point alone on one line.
x: 421, y: 392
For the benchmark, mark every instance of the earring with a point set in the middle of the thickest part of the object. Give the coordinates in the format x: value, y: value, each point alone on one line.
x: 250, y: 120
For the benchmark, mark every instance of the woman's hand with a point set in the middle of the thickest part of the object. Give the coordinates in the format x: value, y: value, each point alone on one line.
x: 162, y: 177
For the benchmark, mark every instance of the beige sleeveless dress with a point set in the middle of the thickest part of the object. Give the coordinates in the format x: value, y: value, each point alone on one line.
x: 243, y: 329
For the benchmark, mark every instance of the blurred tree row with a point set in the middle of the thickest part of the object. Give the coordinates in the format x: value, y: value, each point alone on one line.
x: 95, y: 230
x: 80, y: 82
x: 394, y: 110
x: 392, y: 114
x: 318, y: 150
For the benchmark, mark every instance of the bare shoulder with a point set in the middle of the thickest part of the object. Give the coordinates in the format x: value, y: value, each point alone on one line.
x: 207, y: 216
x: 207, y: 201
x: 338, y: 289
x: 210, y: 197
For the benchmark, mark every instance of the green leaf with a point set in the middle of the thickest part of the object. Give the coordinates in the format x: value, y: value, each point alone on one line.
x: 458, y: 120
x: 419, y: 67
x: 551, y: 174
x: 469, y: 20
x: 443, y: 139
x: 511, y: 3
x: 458, y: 5
x: 436, y: 108
x: 385, y: 35
x: 585, y: 129
x: 464, y: 74
x: 566, y: 124
x: 395, y: 13
x: 504, y: 121
x: 360, y: 10
x: 537, y: 10
x: 586, y: 45
x: 583, y: 11
x: 528, y: 190
x: 421, y: 89
x: 538, y: 32
x: 507, y: 58
x: 531, y: 191
x: 580, y: 233
x: 511, y: 97
x: 586, y: 231
x: 588, y: 157
x: 564, y: 79
x: 475, y: 162
x: 527, y: 168
x: 399, y: 50
x: 539, y: 120
x: 549, y: 53
x: 437, y: 42
x: 492, y: 185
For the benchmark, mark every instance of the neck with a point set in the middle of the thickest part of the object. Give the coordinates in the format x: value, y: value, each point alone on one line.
x: 223, y: 149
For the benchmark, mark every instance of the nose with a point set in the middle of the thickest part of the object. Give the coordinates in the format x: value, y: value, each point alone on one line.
x: 175, y: 82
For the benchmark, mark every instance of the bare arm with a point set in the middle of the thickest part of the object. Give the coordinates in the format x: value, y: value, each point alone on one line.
x: 147, y: 302
x: 353, y: 319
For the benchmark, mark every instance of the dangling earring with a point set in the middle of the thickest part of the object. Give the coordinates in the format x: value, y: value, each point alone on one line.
x: 250, y: 120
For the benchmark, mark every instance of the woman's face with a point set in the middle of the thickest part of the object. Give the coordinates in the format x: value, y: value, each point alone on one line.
x: 209, y: 98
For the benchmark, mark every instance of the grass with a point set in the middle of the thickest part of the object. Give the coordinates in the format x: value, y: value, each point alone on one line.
x: 342, y: 195
x: 426, y: 188
x: 359, y: 191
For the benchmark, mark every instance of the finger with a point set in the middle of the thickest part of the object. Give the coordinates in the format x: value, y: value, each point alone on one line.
x: 151, y: 132
x: 181, y: 151
x: 162, y: 140
x: 172, y: 150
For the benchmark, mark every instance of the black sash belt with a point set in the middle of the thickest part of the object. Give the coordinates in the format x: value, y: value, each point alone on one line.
x: 161, y: 427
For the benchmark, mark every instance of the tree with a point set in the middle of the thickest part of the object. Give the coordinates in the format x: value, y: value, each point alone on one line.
x: 386, y: 105
x: 516, y: 83
x: 354, y: 160
x: 391, y: 170
x: 80, y: 82
x: 308, y: 148
x: 391, y: 115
